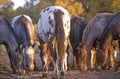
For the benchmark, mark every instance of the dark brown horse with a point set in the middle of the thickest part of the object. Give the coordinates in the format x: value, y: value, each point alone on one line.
x: 53, y: 30
x: 111, y: 32
x: 23, y: 27
x: 9, y: 39
x: 91, y: 35
x: 78, y: 24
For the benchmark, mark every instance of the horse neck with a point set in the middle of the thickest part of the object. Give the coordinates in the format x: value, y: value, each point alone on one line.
x: 9, y: 38
x: 11, y: 43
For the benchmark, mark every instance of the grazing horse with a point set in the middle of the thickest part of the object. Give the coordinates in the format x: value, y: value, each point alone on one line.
x: 23, y: 27
x: 9, y: 39
x: 91, y: 34
x: 53, y: 31
x: 78, y: 24
x: 111, y: 32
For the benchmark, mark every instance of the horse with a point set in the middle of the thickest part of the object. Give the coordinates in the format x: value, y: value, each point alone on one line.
x: 90, y: 39
x: 77, y: 26
x: 9, y: 39
x: 110, y: 33
x: 53, y: 32
x: 23, y: 27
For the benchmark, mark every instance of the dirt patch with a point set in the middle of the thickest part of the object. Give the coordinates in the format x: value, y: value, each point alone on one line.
x: 6, y: 72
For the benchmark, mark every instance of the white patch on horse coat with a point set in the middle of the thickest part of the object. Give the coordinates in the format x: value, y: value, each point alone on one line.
x: 44, y: 26
x: 65, y: 62
x: 115, y: 55
x: 92, y: 58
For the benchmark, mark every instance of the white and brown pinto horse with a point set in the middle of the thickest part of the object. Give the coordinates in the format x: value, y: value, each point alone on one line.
x: 9, y: 39
x: 23, y: 27
x: 91, y: 34
x: 53, y: 31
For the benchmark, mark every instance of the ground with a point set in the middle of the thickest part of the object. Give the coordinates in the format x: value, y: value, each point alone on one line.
x: 5, y: 71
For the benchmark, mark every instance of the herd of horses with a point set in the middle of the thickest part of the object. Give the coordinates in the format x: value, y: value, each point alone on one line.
x: 95, y: 43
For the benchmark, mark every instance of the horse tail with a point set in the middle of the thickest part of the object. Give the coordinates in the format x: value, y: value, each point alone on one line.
x: 59, y: 32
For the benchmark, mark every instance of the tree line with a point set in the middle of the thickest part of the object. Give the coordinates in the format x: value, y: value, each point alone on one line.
x: 85, y: 8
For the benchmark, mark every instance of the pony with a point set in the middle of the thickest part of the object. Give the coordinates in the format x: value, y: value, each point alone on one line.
x: 9, y: 39
x: 23, y: 27
x: 111, y: 32
x: 77, y: 26
x: 90, y: 39
x: 53, y: 32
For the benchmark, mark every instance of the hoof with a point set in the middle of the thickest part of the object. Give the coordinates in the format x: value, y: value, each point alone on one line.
x: 44, y: 75
x: 62, y: 73
x: 23, y: 72
x: 56, y: 76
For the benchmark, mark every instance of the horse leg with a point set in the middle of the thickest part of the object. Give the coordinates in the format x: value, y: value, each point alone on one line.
x: 80, y: 61
x: 56, y: 70
x: 85, y: 61
x: 111, y: 58
x: 74, y: 59
x: 93, y: 58
x: 62, y: 60
x: 9, y: 55
x: 115, y: 55
x: 105, y: 55
x: 46, y: 64
x: 65, y: 62
x: 86, y: 57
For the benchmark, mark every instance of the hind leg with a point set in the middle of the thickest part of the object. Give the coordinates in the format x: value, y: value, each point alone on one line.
x: 65, y: 62
x: 75, y: 58
x: 111, y: 58
x: 45, y: 66
x: 105, y: 60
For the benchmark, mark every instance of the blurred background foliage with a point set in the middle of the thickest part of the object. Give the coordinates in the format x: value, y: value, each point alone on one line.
x: 85, y: 8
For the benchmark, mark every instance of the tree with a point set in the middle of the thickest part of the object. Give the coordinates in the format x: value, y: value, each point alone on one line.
x: 75, y: 8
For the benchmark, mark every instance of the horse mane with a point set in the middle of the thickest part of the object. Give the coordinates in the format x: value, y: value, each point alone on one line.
x: 11, y: 29
x: 105, y: 32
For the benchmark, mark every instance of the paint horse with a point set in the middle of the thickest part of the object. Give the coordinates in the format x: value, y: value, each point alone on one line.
x: 9, y: 39
x: 23, y: 27
x: 111, y: 32
x: 91, y: 36
x: 78, y: 24
x: 53, y: 31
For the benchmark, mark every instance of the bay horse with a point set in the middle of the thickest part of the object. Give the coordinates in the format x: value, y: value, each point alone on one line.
x: 9, y: 39
x: 53, y: 32
x: 91, y: 36
x: 23, y: 27
x: 77, y: 26
x: 111, y: 32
